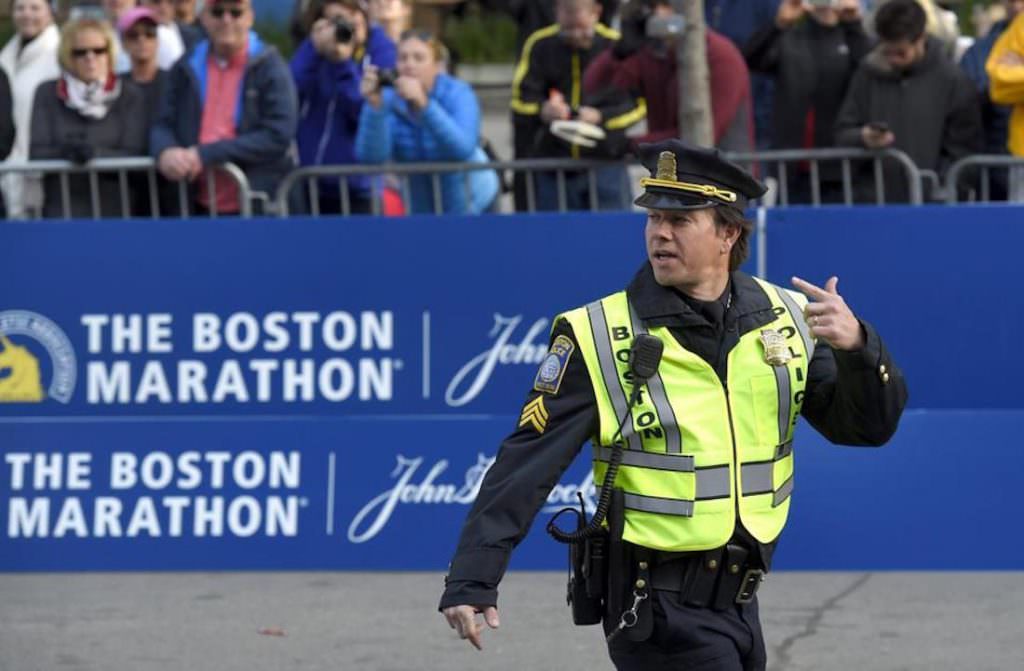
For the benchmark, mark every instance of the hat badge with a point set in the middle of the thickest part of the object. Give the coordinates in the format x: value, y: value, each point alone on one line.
x: 667, y: 167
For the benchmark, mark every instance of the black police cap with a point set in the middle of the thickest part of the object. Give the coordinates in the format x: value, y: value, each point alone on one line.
x: 688, y: 177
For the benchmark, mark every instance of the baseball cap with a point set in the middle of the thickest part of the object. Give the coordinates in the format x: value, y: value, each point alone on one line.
x: 133, y: 16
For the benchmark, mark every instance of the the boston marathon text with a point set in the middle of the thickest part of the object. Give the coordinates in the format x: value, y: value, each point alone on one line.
x: 286, y: 357
x: 198, y: 494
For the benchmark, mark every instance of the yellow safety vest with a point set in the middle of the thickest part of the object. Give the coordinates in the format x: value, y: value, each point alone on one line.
x: 697, y: 454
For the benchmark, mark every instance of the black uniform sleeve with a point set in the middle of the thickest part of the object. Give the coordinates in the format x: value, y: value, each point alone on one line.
x: 528, y: 465
x: 855, y: 398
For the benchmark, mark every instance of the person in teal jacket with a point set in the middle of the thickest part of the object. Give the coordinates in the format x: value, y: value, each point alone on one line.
x: 426, y: 115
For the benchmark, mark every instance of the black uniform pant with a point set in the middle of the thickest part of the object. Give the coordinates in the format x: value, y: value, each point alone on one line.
x: 687, y: 638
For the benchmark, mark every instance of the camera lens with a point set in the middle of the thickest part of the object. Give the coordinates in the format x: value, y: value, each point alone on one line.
x: 386, y: 77
x: 343, y: 32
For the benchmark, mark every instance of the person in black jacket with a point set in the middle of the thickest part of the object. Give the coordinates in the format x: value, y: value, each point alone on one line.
x: 88, y: 113
x: 548, y: 87
x: 812, y: 52
x: 691, y: 296
x: 532, y: 15
x: 907, y: 95
x: 6, y: 126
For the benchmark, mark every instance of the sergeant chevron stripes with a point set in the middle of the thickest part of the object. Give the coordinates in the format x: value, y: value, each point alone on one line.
x: 535, y: 415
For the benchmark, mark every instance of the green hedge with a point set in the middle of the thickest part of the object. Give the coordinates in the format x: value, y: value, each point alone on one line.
x: 481, y: 36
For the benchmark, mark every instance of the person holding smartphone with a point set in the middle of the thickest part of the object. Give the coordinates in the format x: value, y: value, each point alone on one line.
x: 908, y: 96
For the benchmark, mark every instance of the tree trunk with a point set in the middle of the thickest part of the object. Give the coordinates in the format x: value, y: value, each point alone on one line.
x: 692, y: 72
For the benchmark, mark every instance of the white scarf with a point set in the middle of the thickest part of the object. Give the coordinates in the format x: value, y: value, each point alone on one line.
x: 93, y: 99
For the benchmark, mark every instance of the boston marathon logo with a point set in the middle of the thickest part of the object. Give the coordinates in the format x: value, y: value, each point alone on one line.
x: 417, y: 485
x: 28, y: 341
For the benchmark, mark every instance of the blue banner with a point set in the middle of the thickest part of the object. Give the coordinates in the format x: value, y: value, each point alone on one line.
x: 317, y: 394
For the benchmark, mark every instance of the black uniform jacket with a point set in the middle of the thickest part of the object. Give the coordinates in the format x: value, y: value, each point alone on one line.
x: 849, y: 399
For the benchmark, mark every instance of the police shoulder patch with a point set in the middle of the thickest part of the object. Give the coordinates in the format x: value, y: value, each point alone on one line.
x: 552, y: 368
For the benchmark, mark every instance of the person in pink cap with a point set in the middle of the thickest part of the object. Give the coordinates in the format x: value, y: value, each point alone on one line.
x: 138, y: 31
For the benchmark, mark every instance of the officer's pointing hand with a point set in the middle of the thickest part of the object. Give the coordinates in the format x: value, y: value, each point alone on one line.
x: 463, y: 620
x: 829, y: 317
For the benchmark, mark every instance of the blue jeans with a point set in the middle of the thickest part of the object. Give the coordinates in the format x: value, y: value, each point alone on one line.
x: 612, y: 187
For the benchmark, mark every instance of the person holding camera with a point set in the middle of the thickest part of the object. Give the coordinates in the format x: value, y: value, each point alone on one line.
x: 328, y: 67
x: 420, y: 113
x: 812, y: 50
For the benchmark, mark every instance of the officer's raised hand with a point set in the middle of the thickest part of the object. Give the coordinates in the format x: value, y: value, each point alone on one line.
x: 463, y: 620
x: 829, y: 317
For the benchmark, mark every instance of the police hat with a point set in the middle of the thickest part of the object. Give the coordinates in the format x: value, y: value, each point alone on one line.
x: 687, y: 177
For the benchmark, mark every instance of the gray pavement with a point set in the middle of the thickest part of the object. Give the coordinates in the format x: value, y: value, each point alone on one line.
x: 385, y: 622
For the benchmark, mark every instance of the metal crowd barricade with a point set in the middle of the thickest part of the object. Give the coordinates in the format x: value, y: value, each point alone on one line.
x: 310, y: 177
x: 985, y: 164
x: 122, y: 167
x: 780, y: 160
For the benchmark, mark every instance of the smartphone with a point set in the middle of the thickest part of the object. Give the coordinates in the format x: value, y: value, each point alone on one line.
x: 663, y: 27
x: 879, y: 126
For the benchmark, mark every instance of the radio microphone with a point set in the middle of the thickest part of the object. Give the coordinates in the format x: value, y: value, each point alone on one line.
x: 644, y: 357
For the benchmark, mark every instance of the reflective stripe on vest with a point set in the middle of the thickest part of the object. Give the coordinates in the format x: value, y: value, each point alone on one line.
x: 693, y: 444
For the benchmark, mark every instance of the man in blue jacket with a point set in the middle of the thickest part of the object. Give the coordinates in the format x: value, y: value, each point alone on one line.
x: 327, y: 73
x: 232, y: 100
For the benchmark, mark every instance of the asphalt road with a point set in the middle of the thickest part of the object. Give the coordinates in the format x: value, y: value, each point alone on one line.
x: 386, y: 622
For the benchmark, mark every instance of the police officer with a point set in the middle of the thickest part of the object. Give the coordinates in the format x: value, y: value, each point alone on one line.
x: 705, y: 480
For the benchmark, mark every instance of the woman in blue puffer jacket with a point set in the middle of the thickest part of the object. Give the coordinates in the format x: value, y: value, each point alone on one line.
x: 426, y: 115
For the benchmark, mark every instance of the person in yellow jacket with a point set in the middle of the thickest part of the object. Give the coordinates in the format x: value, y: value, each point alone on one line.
x: 1005, y: 67
x: 705, y: 453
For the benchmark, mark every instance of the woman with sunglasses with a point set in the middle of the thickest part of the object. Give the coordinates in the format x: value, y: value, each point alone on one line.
x: 28, y: 59
x: 426, y: 115
x: 89, y: 112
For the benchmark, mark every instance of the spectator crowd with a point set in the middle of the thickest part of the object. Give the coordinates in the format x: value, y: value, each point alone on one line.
x: 191, y: 84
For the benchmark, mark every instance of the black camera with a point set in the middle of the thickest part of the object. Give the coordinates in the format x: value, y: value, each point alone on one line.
x: 343, y: 31
x: 386, y: 76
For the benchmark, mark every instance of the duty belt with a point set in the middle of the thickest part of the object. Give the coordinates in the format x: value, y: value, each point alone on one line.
x: 715, y: 579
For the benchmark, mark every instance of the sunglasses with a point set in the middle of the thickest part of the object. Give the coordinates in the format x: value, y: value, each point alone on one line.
x: 95, y: 51
x: 133, y: 35
x: 219, y: 12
